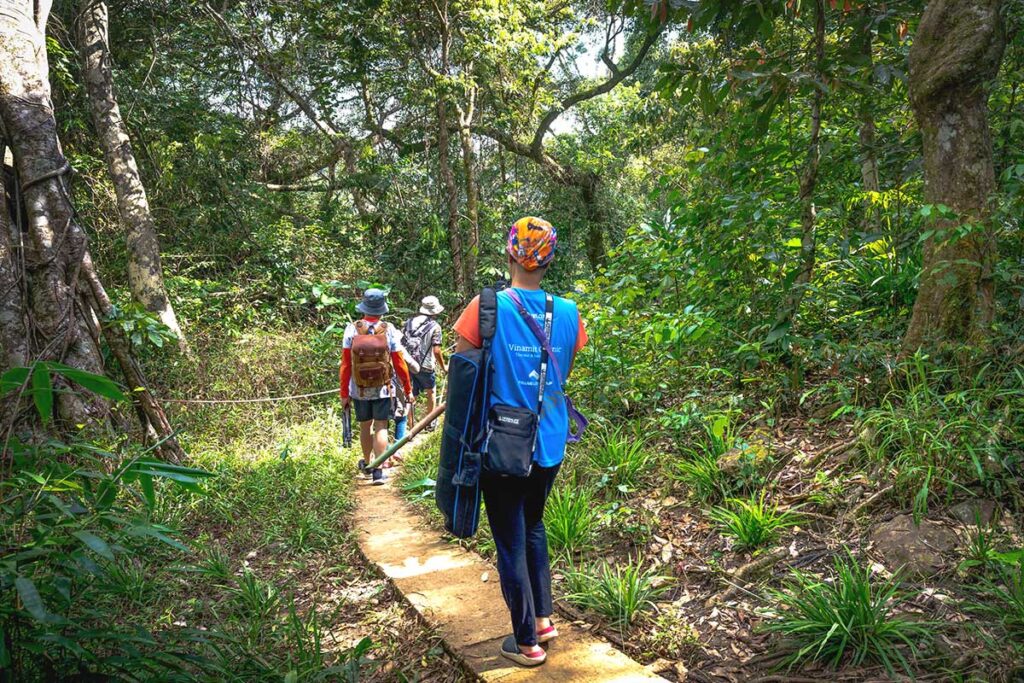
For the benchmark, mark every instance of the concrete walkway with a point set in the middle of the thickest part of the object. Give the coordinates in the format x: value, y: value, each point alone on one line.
x: 446, y: 585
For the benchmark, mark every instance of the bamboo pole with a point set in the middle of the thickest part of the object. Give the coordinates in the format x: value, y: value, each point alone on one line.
x: 416, y: 429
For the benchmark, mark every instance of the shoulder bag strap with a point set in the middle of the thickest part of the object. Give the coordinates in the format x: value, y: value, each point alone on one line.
x: 545, y: 353
x: 488, y: 315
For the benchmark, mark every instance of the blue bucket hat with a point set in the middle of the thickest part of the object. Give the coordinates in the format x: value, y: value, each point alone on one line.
x: 375, y: 302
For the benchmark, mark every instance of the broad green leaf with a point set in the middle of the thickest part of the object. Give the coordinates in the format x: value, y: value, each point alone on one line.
x: 146, y: 483
x: 13, y: 379
x: 98, y: 384
x: 42, y: 392
x: 153, y: 532
x: 95, y: 543
x: 33, y: 602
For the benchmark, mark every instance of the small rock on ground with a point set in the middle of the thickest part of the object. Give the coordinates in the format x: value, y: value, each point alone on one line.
x: 971, y: 512
x: 919, y: 549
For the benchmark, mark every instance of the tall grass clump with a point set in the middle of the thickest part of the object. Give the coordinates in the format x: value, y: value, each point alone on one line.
x: 620, y: 459
x: 419, y: 467
x: 849, y: 618
x: 720, y: 464
x: 571, y: 518
x: 1002, y: 600
x: 753, y: 522
x: 934, y: 436
x: 619, y: 591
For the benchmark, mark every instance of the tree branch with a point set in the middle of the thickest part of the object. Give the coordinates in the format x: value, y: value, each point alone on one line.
x: 618, y: 75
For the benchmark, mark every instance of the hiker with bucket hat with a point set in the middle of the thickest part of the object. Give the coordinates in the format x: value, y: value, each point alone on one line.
x: 535, y: 337
x: 371, y: 356
x: 423, y: 338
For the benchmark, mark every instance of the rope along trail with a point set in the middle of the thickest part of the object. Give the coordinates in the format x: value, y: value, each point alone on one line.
x: 265, y: 399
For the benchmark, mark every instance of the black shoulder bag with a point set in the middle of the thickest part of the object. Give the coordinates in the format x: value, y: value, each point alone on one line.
x: 511, y: 430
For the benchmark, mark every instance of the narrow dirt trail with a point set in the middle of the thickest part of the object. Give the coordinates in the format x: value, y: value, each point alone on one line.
x: 446, y: 584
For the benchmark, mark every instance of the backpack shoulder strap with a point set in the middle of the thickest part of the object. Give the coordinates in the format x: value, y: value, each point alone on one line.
x: 382, y: 328
x: 488, y: 314
x: 361, y: 327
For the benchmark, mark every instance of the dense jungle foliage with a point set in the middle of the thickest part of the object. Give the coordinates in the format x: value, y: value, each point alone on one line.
x: 805, y: 326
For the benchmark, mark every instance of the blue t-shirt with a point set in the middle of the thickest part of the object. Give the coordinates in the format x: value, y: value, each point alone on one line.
x: 515, y: 353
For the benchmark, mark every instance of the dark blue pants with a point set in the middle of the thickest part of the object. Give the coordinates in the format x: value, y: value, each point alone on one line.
x: 515, y: 511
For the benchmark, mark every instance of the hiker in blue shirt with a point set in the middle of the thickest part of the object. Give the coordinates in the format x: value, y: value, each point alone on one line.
x: 515, y: 505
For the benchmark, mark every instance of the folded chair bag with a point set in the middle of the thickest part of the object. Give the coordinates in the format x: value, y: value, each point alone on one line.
x: 457, y: 491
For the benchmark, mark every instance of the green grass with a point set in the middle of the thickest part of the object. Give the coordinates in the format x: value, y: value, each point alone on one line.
x: 419, y: 467
x: 571, y: 517
x: 698, y: 471
x: 933, y: 436
x: 620, y: 591
x: 753, y: 522
x: 243, y: 580
x: 851, y: 617
x: 1001, y: 599
x: 620, y: 460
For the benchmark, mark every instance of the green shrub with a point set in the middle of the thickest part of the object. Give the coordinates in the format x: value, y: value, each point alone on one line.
x: 671, y: 634
x: 1002, y: 598
x: 932, y: 437
x: 698, y: 471
x: 753, y: 522
x: 571, y: 517
x: 76, y: 534
x: 619, y: 591
x: 850, y: 617
x: 419, y: 467
x: 620, y: 459
x: 721, y: 463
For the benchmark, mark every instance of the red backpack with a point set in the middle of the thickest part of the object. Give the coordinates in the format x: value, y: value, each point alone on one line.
x: 371, y: 359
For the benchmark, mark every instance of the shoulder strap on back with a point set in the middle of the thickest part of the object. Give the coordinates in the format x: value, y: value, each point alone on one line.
x: 488, y: 314
x: 382, y: 328
x: 361, y: 327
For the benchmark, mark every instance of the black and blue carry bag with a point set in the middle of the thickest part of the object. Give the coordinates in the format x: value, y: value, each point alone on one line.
x: 457, y: 491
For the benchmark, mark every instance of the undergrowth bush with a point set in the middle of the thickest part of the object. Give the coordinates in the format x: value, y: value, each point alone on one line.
x: 1001, y: 598
x: 936, y: 433
x: 849, y: 617
x: 721, y: 463
x: 620, y: 460
x: 753, y: 522
x: 571, y: 518
x: 77, y: 531
x: 619, y: 591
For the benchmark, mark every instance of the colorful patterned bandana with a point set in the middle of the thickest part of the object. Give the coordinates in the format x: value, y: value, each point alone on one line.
x: 531, y: 242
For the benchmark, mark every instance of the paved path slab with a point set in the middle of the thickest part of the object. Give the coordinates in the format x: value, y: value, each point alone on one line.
x: 445, y: 584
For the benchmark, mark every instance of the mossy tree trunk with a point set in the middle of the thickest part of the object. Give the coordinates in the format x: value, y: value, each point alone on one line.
x: 956, y: 53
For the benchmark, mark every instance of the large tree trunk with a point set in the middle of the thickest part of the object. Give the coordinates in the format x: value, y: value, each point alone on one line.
x: 145, y: 273
x: 13, y: 330
x: 44, y: 252
x: 956, y: 52
x: 51, y: 241
x: 808, y: 182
